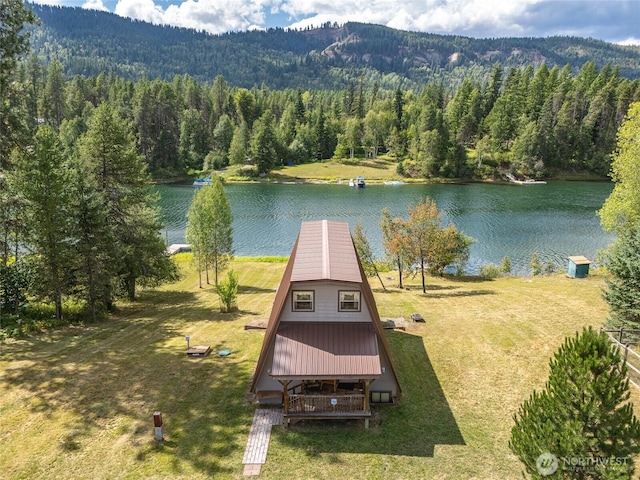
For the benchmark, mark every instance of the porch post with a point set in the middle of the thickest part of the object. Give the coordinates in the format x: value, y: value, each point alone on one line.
x: 366, y: 395
x: 285, y: 394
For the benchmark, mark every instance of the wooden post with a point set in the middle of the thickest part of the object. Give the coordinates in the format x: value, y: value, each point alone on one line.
x: 285, y: 387
x: 157, y: 423
x: 367, y: 407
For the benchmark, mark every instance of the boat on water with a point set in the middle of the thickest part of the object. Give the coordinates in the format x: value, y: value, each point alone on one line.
x: 200, y: 182
x: 528, y: 181
x: 359, y: 182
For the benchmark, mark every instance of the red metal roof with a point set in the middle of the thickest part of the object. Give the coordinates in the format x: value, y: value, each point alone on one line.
x: 326, y: 350
x: 325, y: 252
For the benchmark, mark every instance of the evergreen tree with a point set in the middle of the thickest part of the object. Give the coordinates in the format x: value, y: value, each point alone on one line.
x: 263, y: 145
x: 536, y: 266
x: 14, y: 42
x: 194, y: 142
x: 582, y: 417
x: 246, y: 107
x: 40, y: 175
x: 222, y: 137
x: 239, y: 148
x: 325, y: 146
x: 132, y: 215
x: 622, y: 260
x: 91, y: 267
x: 53, y: 101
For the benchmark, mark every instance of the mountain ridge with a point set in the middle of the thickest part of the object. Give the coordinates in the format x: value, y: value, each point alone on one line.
x: 90, y: 42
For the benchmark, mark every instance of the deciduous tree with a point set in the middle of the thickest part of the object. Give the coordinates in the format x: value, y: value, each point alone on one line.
x: 622, y: 207
x: 209, y: 230
x: 365, y: 253
x: 395, y: 242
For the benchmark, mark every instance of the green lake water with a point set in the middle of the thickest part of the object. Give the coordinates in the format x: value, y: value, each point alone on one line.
x: 555, y: 220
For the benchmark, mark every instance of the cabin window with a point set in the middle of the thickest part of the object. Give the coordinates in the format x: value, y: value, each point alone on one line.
x: 302, y: 301
x: 349, y: 302
x: 380, y: 397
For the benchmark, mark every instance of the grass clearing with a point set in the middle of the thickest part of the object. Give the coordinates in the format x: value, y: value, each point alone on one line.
x: 332, y: 171
x: 78, y: 402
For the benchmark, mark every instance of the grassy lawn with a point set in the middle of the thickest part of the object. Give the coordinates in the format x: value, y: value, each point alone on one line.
x: 78, y: 402
x: 332, y: 171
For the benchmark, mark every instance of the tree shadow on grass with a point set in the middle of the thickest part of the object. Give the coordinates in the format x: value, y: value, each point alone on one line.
x: 443, y: 291
x: 122, y: 370
x: 421, y: 420
x: 463, y: 293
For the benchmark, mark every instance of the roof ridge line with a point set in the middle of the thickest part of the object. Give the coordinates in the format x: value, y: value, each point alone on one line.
x: 326, y: 263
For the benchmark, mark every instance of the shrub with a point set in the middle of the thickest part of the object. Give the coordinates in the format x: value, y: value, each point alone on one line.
x: 506, y: 265
x: 536, y: 266
x: 490, y: 270
x: 228, y: 292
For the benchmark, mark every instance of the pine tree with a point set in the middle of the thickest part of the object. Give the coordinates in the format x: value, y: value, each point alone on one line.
x: 41, y: 178
x: 238, y: 150
x: 91, y: 264
x: 622, y: 261
x: 582, y: 417
x: 53, y: 101
x: 14, y: 42
x: 137, y: 252
x: 263, y: 145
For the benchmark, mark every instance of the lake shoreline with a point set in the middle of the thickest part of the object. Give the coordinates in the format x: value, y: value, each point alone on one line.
x: 376, y: 172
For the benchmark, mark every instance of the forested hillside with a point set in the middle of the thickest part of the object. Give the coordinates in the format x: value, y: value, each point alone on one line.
x: 330, y: 57
x: 77, y: 148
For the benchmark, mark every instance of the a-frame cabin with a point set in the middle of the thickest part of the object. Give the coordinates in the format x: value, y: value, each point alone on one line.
x: 325, y: 354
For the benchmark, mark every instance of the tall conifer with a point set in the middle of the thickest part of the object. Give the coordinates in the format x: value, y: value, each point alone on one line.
x: 582, y: 418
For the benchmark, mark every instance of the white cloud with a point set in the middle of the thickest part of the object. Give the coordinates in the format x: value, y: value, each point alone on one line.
x: 611, y: 20
x: 214, y: 16
x: 141, y: 10
x: 95, y: 5
x: 630, y: 41
x: 436, y: 16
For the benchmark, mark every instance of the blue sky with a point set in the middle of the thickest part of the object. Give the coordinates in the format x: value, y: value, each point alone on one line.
x: 615, y: 21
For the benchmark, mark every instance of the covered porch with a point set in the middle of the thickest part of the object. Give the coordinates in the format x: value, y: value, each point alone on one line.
x: 325, y: 399
x: 325, y: 375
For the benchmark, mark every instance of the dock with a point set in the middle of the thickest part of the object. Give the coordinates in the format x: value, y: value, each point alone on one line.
x: 178, y: 248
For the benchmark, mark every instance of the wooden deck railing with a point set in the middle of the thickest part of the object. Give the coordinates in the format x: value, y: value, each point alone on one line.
x: 326, y: 404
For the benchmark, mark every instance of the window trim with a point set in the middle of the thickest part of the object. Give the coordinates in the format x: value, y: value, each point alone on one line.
x: 312, y: 293
x: 341, y: 301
